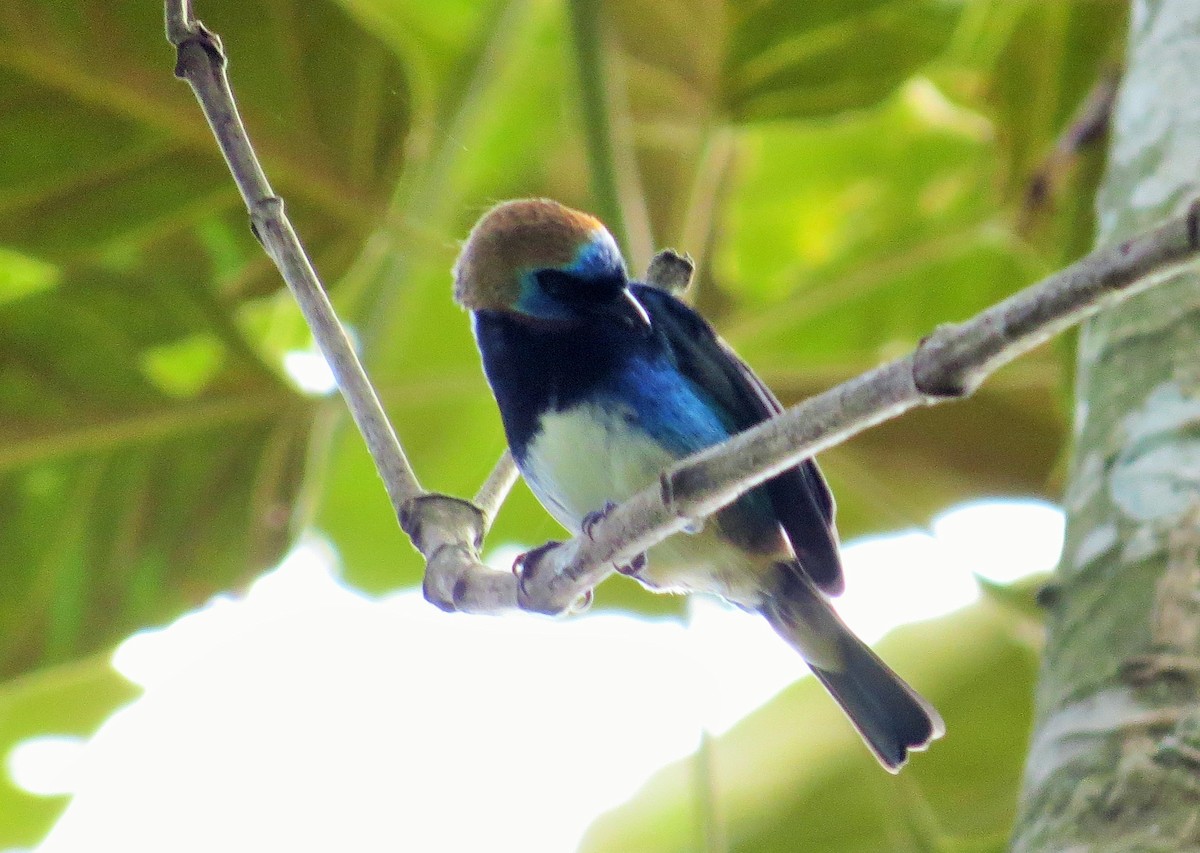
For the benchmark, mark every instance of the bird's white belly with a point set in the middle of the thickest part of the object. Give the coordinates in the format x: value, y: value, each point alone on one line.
x: 583, y: 459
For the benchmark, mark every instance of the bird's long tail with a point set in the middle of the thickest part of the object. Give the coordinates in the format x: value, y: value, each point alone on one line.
x: 889, y: 715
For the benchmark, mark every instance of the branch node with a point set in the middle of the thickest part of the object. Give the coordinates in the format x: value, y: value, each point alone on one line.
x: 683, y: 492
x: 430, y: 515
x: 448, y: 531
x: 195, y: 33
x: 666, y: 490
x: 941, y: 369
x: 671, y: 271
x: 434, y: 593
x: 266, y: 209
x: 263, y: 212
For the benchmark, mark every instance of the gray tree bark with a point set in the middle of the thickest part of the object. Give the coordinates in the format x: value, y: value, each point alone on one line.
x: 1114, y: 761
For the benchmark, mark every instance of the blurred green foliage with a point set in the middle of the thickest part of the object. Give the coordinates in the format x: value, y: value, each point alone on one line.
x: 848, y: 174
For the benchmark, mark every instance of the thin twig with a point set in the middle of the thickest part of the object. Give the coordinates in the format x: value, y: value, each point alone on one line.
x: 496, y: 487
x: 201, y: 62
x: 1088, y: 125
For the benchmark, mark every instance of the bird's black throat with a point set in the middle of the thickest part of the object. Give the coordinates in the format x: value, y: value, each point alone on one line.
x: 537, y: 367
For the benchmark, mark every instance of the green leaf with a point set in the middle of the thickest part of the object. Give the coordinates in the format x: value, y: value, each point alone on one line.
x: 814, y: 61
x: 21, y: 275
x: 151, y: 453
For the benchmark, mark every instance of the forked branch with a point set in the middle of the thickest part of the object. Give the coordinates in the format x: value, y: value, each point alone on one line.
x: 449, y: 531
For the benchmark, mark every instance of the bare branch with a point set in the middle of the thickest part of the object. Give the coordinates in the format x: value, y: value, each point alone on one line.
x: 448, y: 531
x: 200, y: 60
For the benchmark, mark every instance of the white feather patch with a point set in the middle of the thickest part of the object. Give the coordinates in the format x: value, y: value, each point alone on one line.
x: 584, y: 458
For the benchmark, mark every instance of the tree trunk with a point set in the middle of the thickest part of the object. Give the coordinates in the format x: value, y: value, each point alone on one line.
x: 1114, y: 762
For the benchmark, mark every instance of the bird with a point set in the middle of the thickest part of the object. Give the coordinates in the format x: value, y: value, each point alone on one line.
x: 603, y: 382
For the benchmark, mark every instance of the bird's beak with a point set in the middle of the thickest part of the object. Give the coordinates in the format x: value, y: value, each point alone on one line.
x: 628, y: 308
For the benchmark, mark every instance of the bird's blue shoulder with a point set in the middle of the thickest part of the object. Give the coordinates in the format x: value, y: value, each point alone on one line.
x: 800, y: 496
x: 664, y: 403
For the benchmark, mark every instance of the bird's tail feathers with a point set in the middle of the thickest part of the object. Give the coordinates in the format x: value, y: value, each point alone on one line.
x: 892, y: 718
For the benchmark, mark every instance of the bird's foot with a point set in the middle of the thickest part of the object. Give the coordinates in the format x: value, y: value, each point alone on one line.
x: 593, y: 518
x: 1141, y: 670
x: 635, y: 566
x: 589, y: 523
x: 526, y: 567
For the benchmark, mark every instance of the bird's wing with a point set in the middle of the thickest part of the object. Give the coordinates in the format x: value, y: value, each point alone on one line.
x: 800, y: 496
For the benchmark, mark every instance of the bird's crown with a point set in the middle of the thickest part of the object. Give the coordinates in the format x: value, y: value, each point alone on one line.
x: 516, y: 239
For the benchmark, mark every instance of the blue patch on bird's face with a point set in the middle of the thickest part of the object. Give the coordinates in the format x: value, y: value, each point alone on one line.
x: 598, y: 259
x: 596, y: 267
x: 533, y: 301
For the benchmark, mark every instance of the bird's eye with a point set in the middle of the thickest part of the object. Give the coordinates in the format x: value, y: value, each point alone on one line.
x: 554, y: 283
x: 571, y: 287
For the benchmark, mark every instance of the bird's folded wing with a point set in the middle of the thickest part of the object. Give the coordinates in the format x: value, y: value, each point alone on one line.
x: 800, y: 496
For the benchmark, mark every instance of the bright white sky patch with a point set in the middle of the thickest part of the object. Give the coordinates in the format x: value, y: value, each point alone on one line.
x: 309, y: 372
x: 1002, y: 541
x: 305, y: 716
x: 47, y: 766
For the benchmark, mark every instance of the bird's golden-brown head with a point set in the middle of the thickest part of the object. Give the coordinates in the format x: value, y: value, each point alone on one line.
x: 539, y: 259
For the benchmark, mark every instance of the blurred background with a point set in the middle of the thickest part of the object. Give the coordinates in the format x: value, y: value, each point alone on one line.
x: 210, y: 632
